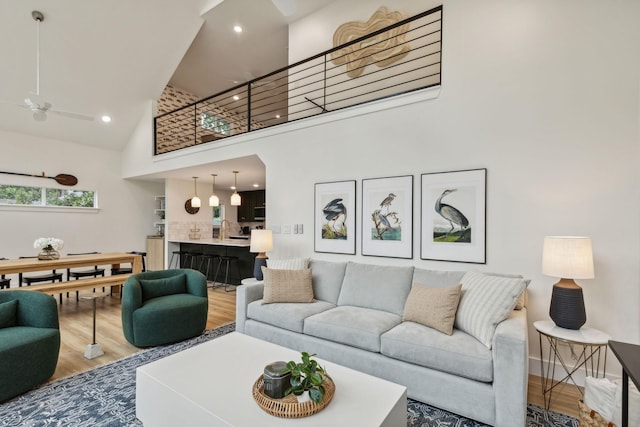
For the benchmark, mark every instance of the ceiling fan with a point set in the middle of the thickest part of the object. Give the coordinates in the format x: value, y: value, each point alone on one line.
x: 39, y: 107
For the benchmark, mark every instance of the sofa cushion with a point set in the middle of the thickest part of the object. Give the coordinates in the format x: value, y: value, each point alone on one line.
x: 522, y: 299
x: 327, y: 277
x: 459, y: 354
x: 433, y: 307
x: 287, y: 286
x: 288, y: 264
x: 486, y: 301
x: 153, y: 288
x: 376, y: 286
x: 355, y: 326
x: 8, y: 313
x: 437, y: 279
x: 286, y: 316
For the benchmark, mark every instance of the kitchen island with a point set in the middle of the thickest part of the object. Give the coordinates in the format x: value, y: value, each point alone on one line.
x: 227, y: 247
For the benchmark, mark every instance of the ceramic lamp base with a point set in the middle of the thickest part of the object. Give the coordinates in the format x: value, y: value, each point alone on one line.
x: 567, y: 307
x: 257, y: 267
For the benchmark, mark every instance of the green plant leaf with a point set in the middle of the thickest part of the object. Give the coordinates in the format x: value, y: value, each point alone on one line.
x: 315, y: 394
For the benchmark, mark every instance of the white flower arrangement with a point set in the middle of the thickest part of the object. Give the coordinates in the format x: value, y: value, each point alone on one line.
x: 48, y: 243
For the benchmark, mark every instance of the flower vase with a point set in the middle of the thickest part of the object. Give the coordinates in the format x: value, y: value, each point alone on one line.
x: 48, y: 254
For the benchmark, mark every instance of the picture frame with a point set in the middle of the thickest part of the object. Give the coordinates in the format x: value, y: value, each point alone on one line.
x: 387, y: 217
x: 335, y: 217
x: 453, y: 216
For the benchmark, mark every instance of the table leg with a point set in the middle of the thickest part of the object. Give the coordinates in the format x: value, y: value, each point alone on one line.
x: 625, y: 398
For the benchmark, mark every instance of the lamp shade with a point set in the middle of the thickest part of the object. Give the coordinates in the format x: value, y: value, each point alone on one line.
x: 568, y: 257
x: 261, y: 241
x: 236, y: 200
x: 195, y: 201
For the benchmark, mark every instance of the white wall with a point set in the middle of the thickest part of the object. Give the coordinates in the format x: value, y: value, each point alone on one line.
x: 126, y: 207
x: 544, y: 94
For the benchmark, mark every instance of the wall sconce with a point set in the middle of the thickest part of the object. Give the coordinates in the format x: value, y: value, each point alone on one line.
x: 214, y: 200
x: 235, y: 197
x: 568, y: 258
x: 261, y: 242
x: 195, y: 200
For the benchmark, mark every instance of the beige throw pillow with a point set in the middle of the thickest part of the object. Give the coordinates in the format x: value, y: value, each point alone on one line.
x: 287, y: 285
x: 433, y: 307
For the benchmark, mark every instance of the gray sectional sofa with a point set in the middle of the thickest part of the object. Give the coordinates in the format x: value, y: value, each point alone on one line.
x: 356, y: 320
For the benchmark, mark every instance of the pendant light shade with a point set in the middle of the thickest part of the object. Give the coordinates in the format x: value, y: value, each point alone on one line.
x: 195, y: 200
x: 236, y: 200
x: 214, y: 200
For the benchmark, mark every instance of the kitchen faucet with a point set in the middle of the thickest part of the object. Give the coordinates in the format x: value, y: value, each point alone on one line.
x: 222, y: 228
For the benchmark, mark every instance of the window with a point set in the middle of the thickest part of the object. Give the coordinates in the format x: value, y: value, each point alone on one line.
x: 212, y: 122
x: 42, y: 196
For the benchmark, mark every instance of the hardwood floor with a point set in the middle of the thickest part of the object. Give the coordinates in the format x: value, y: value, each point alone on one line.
x: 76, y: 332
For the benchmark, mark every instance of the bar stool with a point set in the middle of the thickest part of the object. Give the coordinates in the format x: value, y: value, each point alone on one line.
x: 227, y: 259
x: 178, y: 264
x: 211, y: 260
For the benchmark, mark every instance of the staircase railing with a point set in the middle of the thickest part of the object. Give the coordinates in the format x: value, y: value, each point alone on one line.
x: 397, y: 59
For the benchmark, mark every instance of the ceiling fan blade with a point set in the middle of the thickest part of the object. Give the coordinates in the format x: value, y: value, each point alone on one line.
x: 72, y: 115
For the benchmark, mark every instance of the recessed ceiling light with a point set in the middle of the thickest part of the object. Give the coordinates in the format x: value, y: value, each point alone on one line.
x: 256, y: 185
x: 106, y: 119
x: 237, y: 28
x: 277, y: 116
x: 236, y: 97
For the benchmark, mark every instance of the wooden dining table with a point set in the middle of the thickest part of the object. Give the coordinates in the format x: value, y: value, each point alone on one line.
x: 26, y: 265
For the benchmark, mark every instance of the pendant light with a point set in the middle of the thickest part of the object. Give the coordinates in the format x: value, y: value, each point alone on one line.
x: 235, y: 197
x: 195, y: 200
x: 214, y: 200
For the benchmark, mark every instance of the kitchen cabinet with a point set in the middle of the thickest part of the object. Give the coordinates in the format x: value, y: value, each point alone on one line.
x: 250, y: 201
x: 155, y: 253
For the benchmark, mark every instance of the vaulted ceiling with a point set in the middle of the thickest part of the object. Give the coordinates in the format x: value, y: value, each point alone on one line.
x: 114, y: 57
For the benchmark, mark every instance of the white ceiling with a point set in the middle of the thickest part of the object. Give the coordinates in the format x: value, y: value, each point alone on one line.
x: 113, y: 57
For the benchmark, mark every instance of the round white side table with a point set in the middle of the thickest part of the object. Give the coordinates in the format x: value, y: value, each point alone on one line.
x: 589, y: 342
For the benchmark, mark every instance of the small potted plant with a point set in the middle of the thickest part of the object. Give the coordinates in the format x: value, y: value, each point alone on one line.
x: 306, y: 376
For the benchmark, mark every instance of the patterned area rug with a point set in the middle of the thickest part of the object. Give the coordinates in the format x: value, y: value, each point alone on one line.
x: 105, y: 396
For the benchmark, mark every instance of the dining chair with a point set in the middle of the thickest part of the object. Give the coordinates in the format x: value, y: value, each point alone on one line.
x: 94, y: 272
x: 4, y: 283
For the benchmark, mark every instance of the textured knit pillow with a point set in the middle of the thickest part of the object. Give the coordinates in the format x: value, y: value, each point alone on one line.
x: 153, y: 288
x: 432, y: 307
x: 287, y: 285
x: 8, y: 313
x: 288, y: 264
x: 486, y: 301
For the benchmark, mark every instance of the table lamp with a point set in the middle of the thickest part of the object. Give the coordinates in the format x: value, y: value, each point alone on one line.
x: 261, y: 242
x: 568, y: 258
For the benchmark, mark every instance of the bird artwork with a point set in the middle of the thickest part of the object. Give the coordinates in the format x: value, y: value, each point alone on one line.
x: 455, y: 218
x: 387, y: 201
x: 335, y: 212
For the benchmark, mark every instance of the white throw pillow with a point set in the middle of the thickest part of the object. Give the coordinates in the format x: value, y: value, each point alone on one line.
x: 288, y: 264
x: 486, y: 301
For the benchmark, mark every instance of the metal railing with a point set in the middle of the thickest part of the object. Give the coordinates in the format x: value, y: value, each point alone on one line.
x: 397, y: 59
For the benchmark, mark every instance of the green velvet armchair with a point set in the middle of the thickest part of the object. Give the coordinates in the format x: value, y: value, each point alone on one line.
x: 162, y: 307
x: 29, y: 341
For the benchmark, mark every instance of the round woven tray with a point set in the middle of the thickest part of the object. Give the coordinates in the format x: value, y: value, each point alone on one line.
x: 288, y: 406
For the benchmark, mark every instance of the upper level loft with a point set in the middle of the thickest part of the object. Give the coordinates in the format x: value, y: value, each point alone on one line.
x: 370, y: 61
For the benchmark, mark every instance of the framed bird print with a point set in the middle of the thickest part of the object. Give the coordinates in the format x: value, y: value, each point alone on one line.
x: 387, y: 217
x: 335, y: 217
x: 454, y: 216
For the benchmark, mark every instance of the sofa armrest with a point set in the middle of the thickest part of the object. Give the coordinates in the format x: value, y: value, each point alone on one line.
x: 510, y: 351
x: 246, y: 294
x: 196, y: 283
x: 36, y: 309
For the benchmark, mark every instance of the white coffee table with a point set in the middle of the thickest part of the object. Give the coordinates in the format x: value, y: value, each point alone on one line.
x: 210, y: 385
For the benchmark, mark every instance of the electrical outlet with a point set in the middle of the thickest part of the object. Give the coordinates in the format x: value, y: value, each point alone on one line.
x: 286, y: 229
x: 300, y: 229
x: 275, y: 229
x: 295, y: 228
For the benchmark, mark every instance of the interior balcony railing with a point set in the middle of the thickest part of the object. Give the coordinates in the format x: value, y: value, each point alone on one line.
x: 393, y: 60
